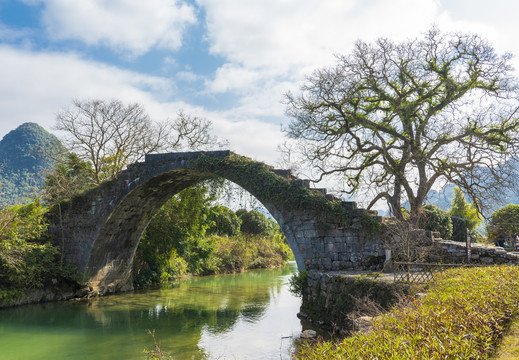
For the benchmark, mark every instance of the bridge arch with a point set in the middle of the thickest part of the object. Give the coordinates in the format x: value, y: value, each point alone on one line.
x: 101, y: 229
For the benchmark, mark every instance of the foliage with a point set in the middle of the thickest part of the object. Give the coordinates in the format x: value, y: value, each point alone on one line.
x: 504, y: 223
x: 463, y: 316
x: 24, y: 153
x: 435, y: 219
x: 298, y: 283
x: 174, y: 242
x: 70, y: 177
x: 27, y: 261
x: 255, y: 223
x: 239, y: 253
x: 395, y: 119
x: 464, y: 216
x: 182, y: 239
x: 258, y: 179
x: 225, y: 222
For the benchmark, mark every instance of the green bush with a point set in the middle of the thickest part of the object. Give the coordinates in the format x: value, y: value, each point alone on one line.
x: 27, y: 259
x: 239, y: 253
x: 459, y: 229
x: 225, y: 222
x: 255, y: 223
x: 298, y: 283
x: 435, y: 219
x: 463, y: 316
x: 504, y: 223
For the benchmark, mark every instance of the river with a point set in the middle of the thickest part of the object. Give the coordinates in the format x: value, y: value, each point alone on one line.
x: 243, y: 316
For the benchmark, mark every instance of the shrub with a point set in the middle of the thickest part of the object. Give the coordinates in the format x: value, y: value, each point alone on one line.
x: 224, y: 222
x: 27, y: 260
x: 255, y: 223
x: 435, y: 219
x: 504, y: 223
x: 462, y: 317
x: 298, y: 283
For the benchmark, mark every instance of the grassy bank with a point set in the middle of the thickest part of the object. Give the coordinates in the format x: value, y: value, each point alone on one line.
x: 509, y: 348
x: 462, y: 317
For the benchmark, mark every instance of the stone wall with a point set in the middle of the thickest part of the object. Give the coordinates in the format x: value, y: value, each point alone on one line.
x: 329, y: 299
x: 329, y: 247
x: 332, y: 300
x: 481, y: 253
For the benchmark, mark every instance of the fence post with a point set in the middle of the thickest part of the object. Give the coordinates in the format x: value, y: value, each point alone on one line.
x: 468, y: 243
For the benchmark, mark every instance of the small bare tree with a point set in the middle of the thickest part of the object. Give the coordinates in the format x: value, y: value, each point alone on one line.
x: 111, y: 134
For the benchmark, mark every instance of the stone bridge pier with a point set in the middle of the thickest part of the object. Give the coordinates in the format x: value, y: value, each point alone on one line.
x: 99, y: 230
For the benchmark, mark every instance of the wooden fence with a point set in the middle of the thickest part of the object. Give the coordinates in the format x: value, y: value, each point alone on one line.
x: 420, y: 272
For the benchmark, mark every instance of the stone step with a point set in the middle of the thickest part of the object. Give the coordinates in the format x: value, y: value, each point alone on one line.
x: 320, y: 190
x: 350, y: 205
x: 285, y: 173
x: 304, y: 183
x: 332, y: 197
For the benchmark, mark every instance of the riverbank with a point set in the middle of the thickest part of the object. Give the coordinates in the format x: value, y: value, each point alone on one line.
x: 333, y: 300
x: 463, y: 316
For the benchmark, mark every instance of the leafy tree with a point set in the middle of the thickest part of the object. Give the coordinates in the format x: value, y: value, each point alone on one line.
x: 463, y: 215
x: 504, y: 223
x: 255, y: 223
x: 175, y: 240
x: 27, y: 259
x: 397, y: 118
x: 70, y: 177
x: 435, y: 219
x: 225, y: 222
x: 111, y: 135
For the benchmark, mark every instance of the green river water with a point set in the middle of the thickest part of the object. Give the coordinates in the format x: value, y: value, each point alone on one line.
x: 244, y: 316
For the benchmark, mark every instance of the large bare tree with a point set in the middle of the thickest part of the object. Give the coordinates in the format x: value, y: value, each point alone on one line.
x: 397, y: 119
x: 111, y: 134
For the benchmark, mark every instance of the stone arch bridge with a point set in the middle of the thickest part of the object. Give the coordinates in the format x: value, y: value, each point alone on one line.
x: 99, y: 230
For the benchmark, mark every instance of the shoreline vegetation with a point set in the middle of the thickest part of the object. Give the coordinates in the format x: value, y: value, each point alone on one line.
x: 464, y: 315
x: 190, y: 235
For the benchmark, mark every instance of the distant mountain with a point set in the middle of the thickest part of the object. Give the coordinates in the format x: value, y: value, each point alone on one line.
x: 24, y: 154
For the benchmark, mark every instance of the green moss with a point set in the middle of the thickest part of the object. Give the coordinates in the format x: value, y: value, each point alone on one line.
x: 263, y: 183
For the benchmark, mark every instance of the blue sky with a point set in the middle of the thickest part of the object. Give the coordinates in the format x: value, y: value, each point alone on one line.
x: 229, y: 61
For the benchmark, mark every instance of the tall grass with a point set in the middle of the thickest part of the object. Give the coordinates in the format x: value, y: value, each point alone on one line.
x: 462, y: 317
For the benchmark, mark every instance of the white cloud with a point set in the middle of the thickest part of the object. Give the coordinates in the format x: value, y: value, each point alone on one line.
x: 292, y: 34
x: 232, y: 77
x: 125, y: 25
x: 35, y: 86
x: 9, y: 34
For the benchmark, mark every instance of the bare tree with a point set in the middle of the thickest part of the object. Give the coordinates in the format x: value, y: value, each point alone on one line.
x: 111, y: 135
x: 397, y: 119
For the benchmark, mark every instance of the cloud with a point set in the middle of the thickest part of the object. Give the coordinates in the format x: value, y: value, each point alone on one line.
x: 293, y: 34
x: 232, y: 77
x: 8, y: 34
x: 127, y: 26
x: 35, y: 86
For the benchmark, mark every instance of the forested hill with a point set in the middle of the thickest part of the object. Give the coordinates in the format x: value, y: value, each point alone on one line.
x: 24, y: 155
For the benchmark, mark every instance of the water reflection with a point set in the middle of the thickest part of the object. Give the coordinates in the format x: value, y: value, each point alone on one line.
x: 234, y: 316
